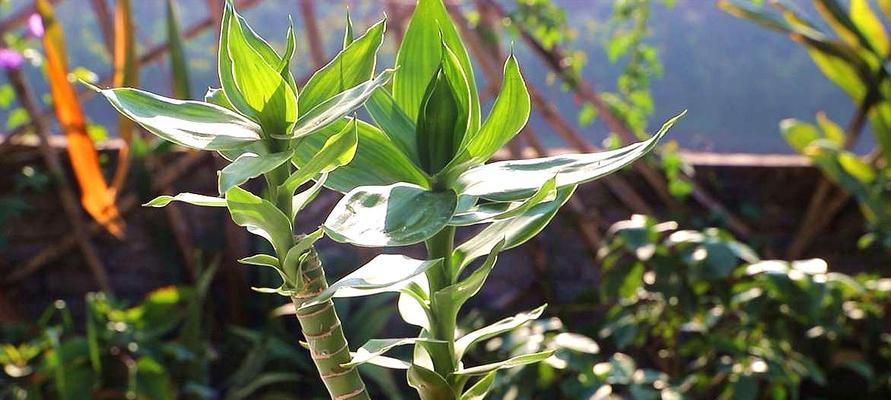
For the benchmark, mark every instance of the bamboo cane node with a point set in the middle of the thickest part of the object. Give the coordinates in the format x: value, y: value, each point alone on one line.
x: 353, y: 394
x: 324, y: 355
x: 327, y: 306
x: 337, y: 374
x: 302, y: 297
x: 324, y: 334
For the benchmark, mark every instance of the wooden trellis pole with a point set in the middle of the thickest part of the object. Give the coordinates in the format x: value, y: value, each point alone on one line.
x: 70, y: 204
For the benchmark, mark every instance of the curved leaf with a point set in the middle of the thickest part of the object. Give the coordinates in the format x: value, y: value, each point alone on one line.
x: 376, y: 347
x: 191, y: 198
x: 349, y: 68
x: 491, y: 212
x: 366, y: 168
x: 481, y: 388
x: 248, y: 166
x: 419, y: 57
x: 508, y: 116
x: 396, y: 215
x: 337, y: 106
x: 255, y: 85
x: 514, y: 231
x: 260, y: 217
x: 194, y: 124
x: 337, y: 151
x: 384, y: 273
x: 505, y: 325
x: 517, y: 179
x: 429, y: 384
x: 393, y: 121
x: 509, y: 363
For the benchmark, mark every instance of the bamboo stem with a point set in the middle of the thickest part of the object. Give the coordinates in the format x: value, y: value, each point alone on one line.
x: 324, y: 336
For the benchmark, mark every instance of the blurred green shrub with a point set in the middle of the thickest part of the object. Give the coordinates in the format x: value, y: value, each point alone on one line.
x: 696, y: 314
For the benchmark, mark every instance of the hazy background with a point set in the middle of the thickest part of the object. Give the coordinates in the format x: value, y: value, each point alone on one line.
x: 738, y: 80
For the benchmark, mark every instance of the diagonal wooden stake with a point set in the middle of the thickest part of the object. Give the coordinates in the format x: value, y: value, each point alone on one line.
x: 66, y: 193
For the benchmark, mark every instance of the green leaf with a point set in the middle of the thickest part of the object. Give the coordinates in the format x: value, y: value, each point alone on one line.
x: 254, y: 82
x: 514, y: 231
x: 396, y: 215
x: 264, y: 260
x: 798, y: 134
x: 260, y: 217
x: 366, y: 167
x: 481, y: 388
x: 192, y: 124
x: 349, y: 68
x: 451, y: 298
x: 302, y: 199
x: 429, y: 384
x: 491, y: 212
x: 337, y: 151
x: 384, y: 273
x: 377, y: 347
x: 348, y: 36
x: 517, y: 179
x: 152, y: 379
x: 191, y: 198
x: 218, y: 97
x: 508, y: 116
x: 419, y: 58
x: 393, y: 121
x: 505, y: 325
x: 442, y: 122
x: 294, y: 260
x: 248, y: 166
x: 509, y: 363
x: 338, y: 106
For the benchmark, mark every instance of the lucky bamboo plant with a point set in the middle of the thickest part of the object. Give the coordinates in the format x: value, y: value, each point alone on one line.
x: 257, y: 120
x: 422, y: 175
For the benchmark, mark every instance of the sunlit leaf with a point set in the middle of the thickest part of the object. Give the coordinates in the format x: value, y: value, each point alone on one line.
x: 517, y: 179
x: 495, y: 329
x: 384, y: 273
x: 191, y: 198
x: 260, y: 217
x: 419, y: 58
x: 192, y: 124
x: 509, y: 363
x: 248, y: 166
x: 349, y: 68
x: 381, y: 216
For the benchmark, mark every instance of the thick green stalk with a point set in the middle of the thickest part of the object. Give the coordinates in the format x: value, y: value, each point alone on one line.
x: 320, y: 325
x: 324, y: 336
x: 442, y: 326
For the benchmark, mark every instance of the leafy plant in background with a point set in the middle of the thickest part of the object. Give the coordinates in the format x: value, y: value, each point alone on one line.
x: 439, y: 142
x: 154, y: 350
x: 258, y: 121
x: 855, y: 59
x: 717, y: 322
x: 625, y: 43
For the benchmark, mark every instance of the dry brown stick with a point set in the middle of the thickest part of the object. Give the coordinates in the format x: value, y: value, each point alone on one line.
x: 316, y: 47
x: 126, y: 204
x: 555, y: 59
x: 70, y: 205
